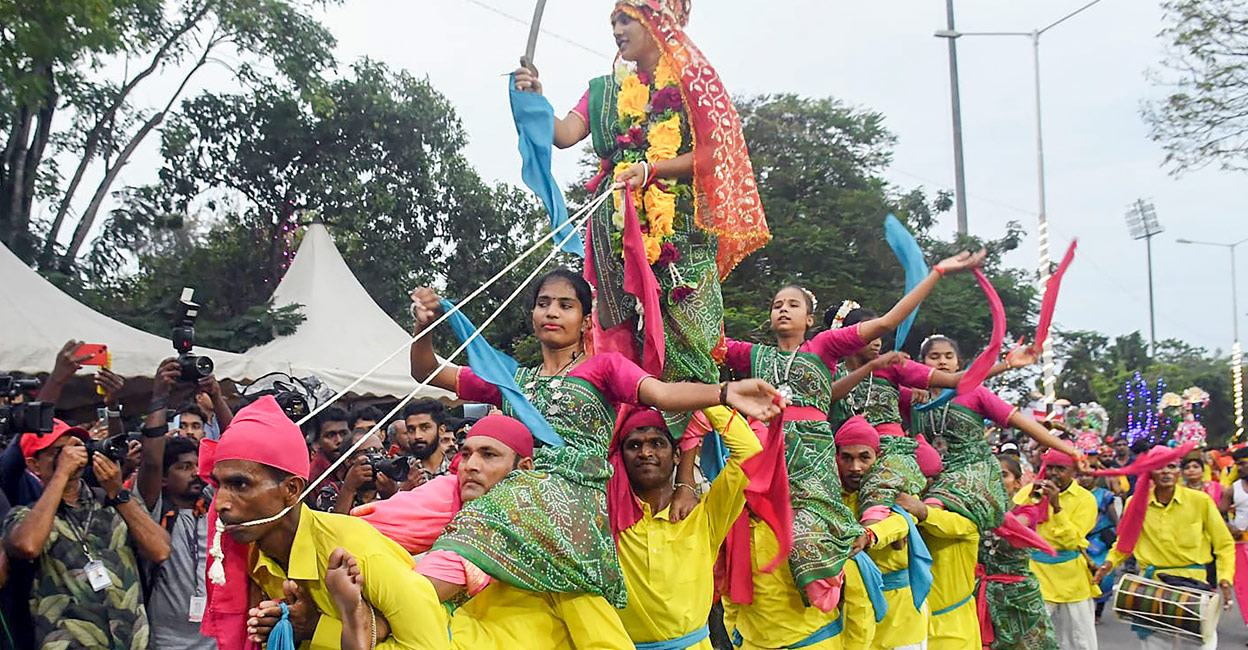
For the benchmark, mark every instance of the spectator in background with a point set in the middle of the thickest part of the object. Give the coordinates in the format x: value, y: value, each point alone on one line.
x: 190, y: 422
x: 1011, y: 474
x: 423, y: 419
x: 1194, y: 477
x: 397, y: 438
x: 209, y: 413
x: 446, y: 436
x: 357, y: 482
x: 329, y: 427
x: 364, y: 419
x: 1103, y: 533
x: 83, y: 541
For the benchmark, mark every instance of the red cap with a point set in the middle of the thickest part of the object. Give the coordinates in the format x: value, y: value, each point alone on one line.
x: 857, y: 431
x: 507, y: 430
x: 262, y: 433
x: 1058, y: 458
x: 642, y: 419
x: 33, y: 443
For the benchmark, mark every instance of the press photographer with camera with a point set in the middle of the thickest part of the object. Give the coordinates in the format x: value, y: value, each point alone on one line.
x: 168, y: 481
x: 75, y: 531
x: 368, y: 475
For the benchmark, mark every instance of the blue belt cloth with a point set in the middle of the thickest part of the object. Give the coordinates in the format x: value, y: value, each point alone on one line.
x: 896, y: 580
x: 678, y: 643
x: 1063, y: 556
x: 1150, y: 570
x: 822, y: 634
x: 919, y: 564
x: 873, y: 580
x: 497, y: 368
x: 946, y: 610
x: 714, y: 455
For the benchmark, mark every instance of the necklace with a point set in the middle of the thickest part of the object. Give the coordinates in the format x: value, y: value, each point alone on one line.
x: 785, y: 390
x: 853, y: 405
x: 555, y: 384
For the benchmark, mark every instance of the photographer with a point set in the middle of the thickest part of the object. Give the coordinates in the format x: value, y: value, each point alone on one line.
x: 364, y: 419
x: 169, y: 483
x: 329, y: 428
x: 74, y: 532
x: 423, y: 419
x: 360, y: 477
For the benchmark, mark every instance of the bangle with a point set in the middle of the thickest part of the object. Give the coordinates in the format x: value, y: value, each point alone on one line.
x: 938, y: 270
x: 686, y: 485
x: 723, y: 394
x: 373, y: 615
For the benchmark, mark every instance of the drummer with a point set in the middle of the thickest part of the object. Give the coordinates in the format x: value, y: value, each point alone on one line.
x: 1179, y: 527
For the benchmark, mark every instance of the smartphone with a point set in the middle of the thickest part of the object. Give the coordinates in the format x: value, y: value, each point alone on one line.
x: 476, y: 411
x: 97, y: 354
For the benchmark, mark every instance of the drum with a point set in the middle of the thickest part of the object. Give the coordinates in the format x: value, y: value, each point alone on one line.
x: 1167, y: 609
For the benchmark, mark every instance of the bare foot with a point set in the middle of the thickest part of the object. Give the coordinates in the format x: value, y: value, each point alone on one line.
x: 345, y: 585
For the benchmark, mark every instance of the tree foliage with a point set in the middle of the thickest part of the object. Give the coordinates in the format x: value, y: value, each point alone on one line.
x: 1096, y: 368
x: 819, y: 166
x: 1204, y: 118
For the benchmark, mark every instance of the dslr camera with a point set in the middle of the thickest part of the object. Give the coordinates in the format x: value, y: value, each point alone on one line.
x: 27, y: 417
x: 116, y: 449
x: 395, y: 468
x: 194, y: 367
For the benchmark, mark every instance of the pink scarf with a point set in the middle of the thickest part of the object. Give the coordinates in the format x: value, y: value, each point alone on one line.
x: 978, y: 371
x: 1049, y: 303
x: 1132, y: 521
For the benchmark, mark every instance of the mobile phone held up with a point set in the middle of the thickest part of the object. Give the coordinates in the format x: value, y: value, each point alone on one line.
x: 97, y: 354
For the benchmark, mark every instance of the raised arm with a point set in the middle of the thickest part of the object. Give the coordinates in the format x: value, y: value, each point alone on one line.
x: 753, y: 397
x: 1042, y: 435
x: 155, y: 430
x: 426, y: 307
x: 842, y: 387
x: 568, y: 131
x: 25, y: 539
x: 890, y: 321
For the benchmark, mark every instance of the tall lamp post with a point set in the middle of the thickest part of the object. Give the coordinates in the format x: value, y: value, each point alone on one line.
x: 1047, y: 366
x: 1143, y: 224
x: 1237, y: 368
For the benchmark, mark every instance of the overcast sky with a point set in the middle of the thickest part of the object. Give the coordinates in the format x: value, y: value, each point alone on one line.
x: 882, y: 56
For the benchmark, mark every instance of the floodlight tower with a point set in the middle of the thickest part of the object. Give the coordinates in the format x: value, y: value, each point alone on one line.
x: 1143, y: 224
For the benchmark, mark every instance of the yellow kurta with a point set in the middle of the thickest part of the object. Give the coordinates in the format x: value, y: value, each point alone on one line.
x: 954, y: 543
x: 1069, y: 581
x: 669, y: 567
x: 502, y: 617
x: 406, y: 599
x: 903, y: 625
x: 1181, y: 533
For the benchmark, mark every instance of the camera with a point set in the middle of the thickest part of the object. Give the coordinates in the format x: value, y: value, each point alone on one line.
x: 395, y: 468
x: 116, y: 449
x: 193, y: 367
x: 27, y: 417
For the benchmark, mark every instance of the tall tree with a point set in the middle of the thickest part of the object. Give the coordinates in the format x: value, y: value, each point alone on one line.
x: 52, y: 55
x: 1203, y: 120
x: 377, y: 157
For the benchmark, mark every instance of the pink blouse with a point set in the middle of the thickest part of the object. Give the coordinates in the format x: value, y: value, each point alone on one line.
x: 830, y: 345
x: 582, y: 107
x: 911, y: 374
x: 617, y: 378
x: 988, y: 405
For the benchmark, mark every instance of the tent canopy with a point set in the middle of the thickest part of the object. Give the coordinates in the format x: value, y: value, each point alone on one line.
x: 345, y: 332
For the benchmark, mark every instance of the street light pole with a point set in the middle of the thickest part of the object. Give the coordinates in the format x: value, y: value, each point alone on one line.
x: 1237, y: 361
x: 1143, y: 224
x: 955, y: 97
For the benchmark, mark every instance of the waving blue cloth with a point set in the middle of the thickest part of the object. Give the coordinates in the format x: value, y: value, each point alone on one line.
x: 873, y: 580
x: 943, y: 398
x: 920, y: 562
x: 500, y: 370
x: 911, y: 257
x: 535, y: 123
x: 714, y: 455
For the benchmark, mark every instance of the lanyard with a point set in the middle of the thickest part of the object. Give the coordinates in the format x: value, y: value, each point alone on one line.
x: 194, y: 537
x: 88, y: 504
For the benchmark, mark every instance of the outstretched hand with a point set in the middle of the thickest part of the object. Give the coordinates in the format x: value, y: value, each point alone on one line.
x: 755, y: 398
x: 963, y: 261
x: 426, y: 305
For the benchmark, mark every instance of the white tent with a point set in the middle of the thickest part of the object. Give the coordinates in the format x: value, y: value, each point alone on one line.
x: 345, y: 333
x: 36, y: 319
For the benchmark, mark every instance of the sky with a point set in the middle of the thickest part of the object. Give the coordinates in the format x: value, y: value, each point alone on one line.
x: 882, y: 56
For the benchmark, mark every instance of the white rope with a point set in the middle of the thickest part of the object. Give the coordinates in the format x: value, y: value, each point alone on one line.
x: 441, y: 366
x: 574, y: 223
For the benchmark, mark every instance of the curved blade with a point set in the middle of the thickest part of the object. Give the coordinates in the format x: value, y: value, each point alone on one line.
x: 534, y: 28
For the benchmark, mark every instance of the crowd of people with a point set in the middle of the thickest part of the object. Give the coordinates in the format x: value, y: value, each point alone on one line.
x: 648, y: 484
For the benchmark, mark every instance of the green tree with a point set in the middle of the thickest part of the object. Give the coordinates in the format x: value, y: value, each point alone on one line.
x: 819, y: 165
x: 1203, y: 119
x: 57, y: 104
x: 377, y: 157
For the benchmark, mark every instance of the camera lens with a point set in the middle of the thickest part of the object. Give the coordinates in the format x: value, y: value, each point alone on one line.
x: 203, y: 366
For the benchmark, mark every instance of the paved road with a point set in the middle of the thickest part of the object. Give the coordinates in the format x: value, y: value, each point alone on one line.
x: 1112, y: 634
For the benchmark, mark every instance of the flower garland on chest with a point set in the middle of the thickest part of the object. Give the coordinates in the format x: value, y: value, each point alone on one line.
x: 650, y: 126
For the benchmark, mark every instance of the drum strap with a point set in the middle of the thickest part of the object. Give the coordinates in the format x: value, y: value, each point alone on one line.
x: 1149, y: 571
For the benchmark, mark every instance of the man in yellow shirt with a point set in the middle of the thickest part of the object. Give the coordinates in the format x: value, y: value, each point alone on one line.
x: 1178, y: 531
x: 904, y: 626
x: 1065, y: 580
x: 261, y: 468
x: 953, y: 541
x: 669, y: 566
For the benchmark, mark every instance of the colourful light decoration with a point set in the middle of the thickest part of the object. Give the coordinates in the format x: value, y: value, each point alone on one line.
x: 1237, y: 378
x: 1144, y: 419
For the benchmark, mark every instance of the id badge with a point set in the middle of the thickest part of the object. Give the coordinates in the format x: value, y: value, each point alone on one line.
x: 196, y: 614
x: 97, y: 575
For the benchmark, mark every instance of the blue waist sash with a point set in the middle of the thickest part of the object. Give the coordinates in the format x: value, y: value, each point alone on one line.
x: 918, y: 562
x: 1062, y: 556
x: 873, y: 580
x: 1150, y: 570
x: 822, y: 634
x: 679, y: 643
x: 896, y: 580
x: 946, y: 610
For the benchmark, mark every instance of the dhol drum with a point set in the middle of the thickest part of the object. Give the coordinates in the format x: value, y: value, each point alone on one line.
x: 1167, y: 609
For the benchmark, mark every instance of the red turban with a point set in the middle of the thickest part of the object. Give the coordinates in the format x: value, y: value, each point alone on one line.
x: 856, y: 431
x: 1056, y: 458
x: 643, y: 419
x: 262, y: 433
x: 507, y: 430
